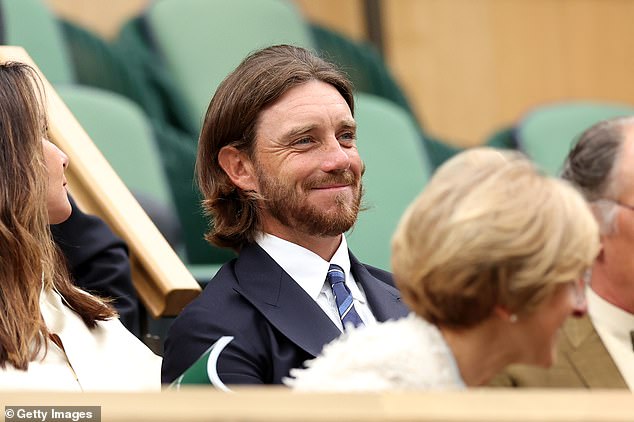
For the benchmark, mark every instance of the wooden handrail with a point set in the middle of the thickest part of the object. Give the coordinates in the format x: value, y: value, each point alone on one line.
x: 162, y: 281
x: 259, y: 404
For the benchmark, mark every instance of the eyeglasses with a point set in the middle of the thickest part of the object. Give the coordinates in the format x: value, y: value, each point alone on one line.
x: 621, y: 204
x: 629, y: 207
x: 578, y: 287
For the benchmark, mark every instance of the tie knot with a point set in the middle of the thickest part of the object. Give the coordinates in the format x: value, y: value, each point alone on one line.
x: 335, y: 274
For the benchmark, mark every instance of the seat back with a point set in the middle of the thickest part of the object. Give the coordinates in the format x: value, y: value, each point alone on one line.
x: 202, y: 41
x: 123, y: 135
x: 397, y: 168
x: 30, y: 24
x: 547, y: 133
x: 121, y: 131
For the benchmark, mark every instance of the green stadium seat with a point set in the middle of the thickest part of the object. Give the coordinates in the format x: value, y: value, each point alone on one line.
x: 121, y: 132
x: 30, y: 24
x: 547, y: 133
x: 397, y: 168
x: 202, y: 41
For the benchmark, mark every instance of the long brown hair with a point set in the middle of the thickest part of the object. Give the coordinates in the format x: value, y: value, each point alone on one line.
x: 28, y: 256
x: 231, y: 119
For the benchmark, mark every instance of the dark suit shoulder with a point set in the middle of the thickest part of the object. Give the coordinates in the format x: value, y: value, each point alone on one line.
x: 379, y: 274
x: 220, y: 306
x: 378, y: 285
x: 219, y: 311
x: 384, y: 276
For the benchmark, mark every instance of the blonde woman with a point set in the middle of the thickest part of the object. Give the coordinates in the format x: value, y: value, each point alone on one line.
x: 489, y: 259
x: 52, y: 335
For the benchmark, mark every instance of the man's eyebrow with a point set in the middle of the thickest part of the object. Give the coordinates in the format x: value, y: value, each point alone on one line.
x: 299, y: 130
x: 348, y: 124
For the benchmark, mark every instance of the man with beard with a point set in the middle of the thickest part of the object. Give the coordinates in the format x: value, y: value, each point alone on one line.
x: 281, y: 176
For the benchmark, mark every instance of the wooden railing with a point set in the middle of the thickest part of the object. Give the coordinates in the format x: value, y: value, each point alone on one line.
x: 162, y: 281
x: 279, y: 405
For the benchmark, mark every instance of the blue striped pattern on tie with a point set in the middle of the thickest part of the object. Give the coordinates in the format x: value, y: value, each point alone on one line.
x: 343, y: 297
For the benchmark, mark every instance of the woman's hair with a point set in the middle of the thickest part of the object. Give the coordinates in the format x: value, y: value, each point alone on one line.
x: 29, y: 260
x: 490, y: 230
x: 232, y: 117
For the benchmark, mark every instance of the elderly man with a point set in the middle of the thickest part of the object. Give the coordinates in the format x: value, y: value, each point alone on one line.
x: 597, y: 351
x: 281, y: 175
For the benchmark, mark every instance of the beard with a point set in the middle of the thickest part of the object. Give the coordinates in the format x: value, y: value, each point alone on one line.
x: 293, y: 209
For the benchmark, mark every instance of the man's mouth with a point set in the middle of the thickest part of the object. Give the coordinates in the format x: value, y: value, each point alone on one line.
x: 340, y: 181
x: 337, y: 186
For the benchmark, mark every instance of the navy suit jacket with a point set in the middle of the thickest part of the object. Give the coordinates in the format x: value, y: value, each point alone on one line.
x: 276, y: 325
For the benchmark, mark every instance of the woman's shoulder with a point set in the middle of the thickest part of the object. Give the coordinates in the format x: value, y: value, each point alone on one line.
x: 105, y: 357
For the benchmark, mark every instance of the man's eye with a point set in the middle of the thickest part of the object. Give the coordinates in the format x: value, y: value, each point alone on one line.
x: 347, y: 136
x: 303, y: 141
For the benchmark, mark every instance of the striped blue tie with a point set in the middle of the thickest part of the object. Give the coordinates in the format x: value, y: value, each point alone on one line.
x: 343, y: 297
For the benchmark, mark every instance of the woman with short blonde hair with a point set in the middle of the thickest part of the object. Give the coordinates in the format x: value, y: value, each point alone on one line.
x: 493, y: 232
x: 489, y: 259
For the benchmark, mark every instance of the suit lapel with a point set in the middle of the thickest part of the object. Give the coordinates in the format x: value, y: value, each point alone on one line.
x: 295, y: 314
x: 282, y: 301
x: 384, y: 300
x: 589, y: 356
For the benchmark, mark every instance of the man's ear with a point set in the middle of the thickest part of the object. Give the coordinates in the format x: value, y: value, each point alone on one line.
x: 238, y: 167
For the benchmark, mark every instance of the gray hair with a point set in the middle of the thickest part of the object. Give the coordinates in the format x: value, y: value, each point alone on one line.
x: 593, y: 164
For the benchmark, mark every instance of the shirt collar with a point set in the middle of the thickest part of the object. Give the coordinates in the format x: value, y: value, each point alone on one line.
x: 304, y: 266
x: 614, y: 319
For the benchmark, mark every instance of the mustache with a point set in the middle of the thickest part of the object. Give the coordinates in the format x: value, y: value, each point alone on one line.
x: 346, y: 177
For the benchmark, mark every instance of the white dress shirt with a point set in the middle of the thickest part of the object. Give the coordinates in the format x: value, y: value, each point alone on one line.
x: 105, y: 358
x: 613, y: 325
x: 309, y: 271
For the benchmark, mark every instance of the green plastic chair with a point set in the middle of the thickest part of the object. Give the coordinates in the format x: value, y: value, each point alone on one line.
x: 121, y: 132
x: 397, y: 168
x: 547, y: 133
x: 202, y: 41
x: 30, y: 24
x: 124, y: 136
x: 370, y: 74
x: 504, y: 138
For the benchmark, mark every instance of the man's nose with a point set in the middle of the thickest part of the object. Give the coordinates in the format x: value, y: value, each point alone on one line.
x: 335, y: 156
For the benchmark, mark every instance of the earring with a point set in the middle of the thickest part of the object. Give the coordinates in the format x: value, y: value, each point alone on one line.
x: 513, y: 318
x: 587, y: 276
